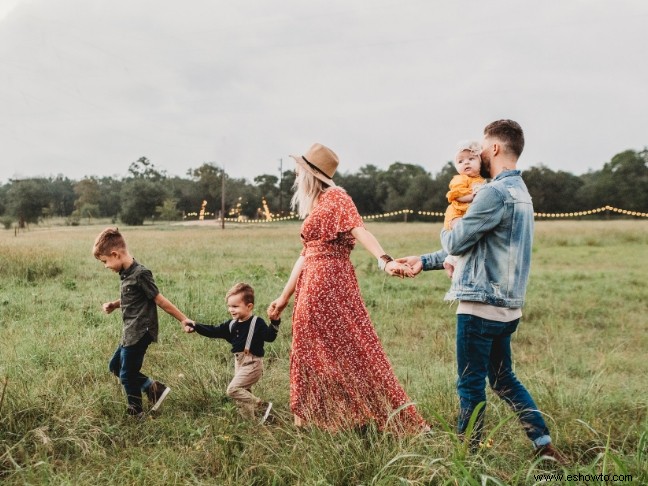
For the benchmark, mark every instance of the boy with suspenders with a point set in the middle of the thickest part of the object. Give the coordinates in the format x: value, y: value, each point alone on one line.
x: 247, y: 334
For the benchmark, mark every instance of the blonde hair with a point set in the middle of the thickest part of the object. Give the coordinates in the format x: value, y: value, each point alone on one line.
x: 472, y: 146
x: 307, y: 189
x: 246, y: 291
x: 108, y: 240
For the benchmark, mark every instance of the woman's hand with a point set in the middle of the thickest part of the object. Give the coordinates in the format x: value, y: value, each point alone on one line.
x: 276, y: 307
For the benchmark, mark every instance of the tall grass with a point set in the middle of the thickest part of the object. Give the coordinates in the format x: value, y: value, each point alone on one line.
x: 580, y: 349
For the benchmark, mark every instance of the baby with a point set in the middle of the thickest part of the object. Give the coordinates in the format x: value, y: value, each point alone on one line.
x: 463, y: 188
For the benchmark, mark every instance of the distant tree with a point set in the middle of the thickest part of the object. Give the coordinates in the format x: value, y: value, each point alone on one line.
x: 553, y: 191
x: 184, y: 192
x: 630, y: 177
x: 139, y: 200
x: 267, y: 186
x: 61, y: 196
x: 168, y: 211
x: 239, y: 191
x: 286, y: 185
x: 403, y: 185
x: 419, y: 194
x: 623, y: 183
x: 142, y: 193
x: 88, y: 211
x: 438, y: 200
x: 109, y: 197
x: 87, y: 191
x: 208, y: 180
x: 4, y: 188
x: 143, y: 168
x: 367, y: 188
x: 26, y: 199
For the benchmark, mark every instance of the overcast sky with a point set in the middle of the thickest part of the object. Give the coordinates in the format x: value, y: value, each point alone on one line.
x: 89, y: 86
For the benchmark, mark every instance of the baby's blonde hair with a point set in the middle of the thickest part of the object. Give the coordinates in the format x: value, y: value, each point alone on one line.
x: 472, y: 146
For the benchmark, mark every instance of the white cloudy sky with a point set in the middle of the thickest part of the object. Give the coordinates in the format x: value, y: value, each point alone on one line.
x: 88, y: 86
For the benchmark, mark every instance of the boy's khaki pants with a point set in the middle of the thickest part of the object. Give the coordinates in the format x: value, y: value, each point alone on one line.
x: 247, y: 371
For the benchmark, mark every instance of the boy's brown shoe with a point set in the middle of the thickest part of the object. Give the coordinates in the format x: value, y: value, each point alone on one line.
x: 550, y: 451
x: 156, y: 394
x: 135, y: 413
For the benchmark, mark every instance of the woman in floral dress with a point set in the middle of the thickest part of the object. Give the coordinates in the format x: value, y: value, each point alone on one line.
x: 340, y: 376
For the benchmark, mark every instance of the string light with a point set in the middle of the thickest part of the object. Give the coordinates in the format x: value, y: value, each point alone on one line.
x: 439, y: 214
x: 578, y: 214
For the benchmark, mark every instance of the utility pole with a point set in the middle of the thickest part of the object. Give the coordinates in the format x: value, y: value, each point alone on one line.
x: 280, y: 186
x: 223, y: 199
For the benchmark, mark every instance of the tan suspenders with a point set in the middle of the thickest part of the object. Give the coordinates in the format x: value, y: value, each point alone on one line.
x: 248, y: 341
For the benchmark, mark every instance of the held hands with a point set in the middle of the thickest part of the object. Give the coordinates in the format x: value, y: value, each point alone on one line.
x: 399, y: 269
x: 412, y: 263
x: 276, y: 307
x: 188, y: 325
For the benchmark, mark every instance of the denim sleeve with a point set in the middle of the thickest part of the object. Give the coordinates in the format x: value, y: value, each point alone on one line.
x: 433, y: 261
x: 484, y: 214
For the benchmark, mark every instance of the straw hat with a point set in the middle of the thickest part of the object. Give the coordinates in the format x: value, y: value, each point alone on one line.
x: 320, y: 161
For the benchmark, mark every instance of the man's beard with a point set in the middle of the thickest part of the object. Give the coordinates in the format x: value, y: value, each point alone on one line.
x: 484, y: 170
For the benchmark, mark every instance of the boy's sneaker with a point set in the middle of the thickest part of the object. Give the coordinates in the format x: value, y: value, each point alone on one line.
x: 135, y: 414
x: 156, y: 393
x: 268, y: 409
x: 550, y: 451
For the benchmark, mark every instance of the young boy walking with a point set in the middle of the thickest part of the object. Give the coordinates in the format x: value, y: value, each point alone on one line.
x: 247, y: 334
x: 139, y: 298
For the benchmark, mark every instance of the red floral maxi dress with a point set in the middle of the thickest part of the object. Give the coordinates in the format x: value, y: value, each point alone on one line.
x: 340, y: 376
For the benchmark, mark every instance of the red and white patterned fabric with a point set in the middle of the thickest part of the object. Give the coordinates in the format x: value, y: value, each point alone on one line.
x: 340, y: 376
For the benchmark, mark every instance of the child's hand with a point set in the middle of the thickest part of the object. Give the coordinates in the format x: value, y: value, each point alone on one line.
x: 188, y: 326
x: 449, y: 269
x: 276, y: 307
x: 108, y: 307
x: 273, y: 314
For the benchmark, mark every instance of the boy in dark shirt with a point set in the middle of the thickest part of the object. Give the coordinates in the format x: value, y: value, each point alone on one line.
x: 247, y: 334
x: 138, y: 301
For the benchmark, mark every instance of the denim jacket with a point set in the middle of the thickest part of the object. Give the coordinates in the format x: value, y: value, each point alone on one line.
x: 493, y: 242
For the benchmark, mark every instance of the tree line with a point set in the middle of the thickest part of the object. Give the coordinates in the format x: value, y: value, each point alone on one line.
x: 147, y: 193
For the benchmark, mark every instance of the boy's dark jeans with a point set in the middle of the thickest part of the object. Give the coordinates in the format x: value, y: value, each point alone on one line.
x: 126, y: 364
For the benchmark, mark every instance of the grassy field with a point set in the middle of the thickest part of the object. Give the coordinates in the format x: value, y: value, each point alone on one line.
x: 581, y: 349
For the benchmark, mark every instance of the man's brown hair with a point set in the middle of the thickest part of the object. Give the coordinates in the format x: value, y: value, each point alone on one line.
x: 509, y: 133
x: 246, y: 291
x: 108, y: 240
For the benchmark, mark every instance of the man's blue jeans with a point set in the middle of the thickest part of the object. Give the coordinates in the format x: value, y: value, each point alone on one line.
x: 126, y: 364
x: 484, y: 350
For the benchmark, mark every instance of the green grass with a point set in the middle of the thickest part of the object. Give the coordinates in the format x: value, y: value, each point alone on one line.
x: 580, y: 350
